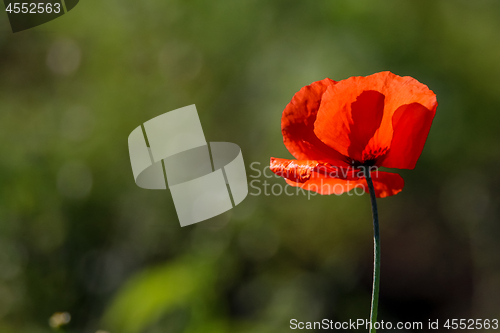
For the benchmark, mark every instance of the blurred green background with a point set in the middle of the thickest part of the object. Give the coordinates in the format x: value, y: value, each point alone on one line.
x: 78, y: 236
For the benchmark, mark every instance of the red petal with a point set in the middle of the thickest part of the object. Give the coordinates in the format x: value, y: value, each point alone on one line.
x: 340, y: 121
x: 301, y: 170
x: 297, y: 125
x: 350, y: 126
x: 295, y: 170
x: 411, y: 124
x: 326, y: 186
x: 385, y: 184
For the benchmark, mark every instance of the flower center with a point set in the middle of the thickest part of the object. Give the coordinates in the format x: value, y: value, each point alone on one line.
x: 367, y: 163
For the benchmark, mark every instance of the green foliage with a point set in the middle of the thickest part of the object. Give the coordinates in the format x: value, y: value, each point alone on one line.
x: 155, y: 292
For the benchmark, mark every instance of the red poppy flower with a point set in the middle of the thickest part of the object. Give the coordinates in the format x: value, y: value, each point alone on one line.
x: 335, y: 129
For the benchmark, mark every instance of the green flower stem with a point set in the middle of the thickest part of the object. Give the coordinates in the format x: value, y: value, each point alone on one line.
x: 376, y: 252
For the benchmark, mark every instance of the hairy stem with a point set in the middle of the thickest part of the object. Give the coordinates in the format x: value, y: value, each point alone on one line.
x: 376, y: 252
